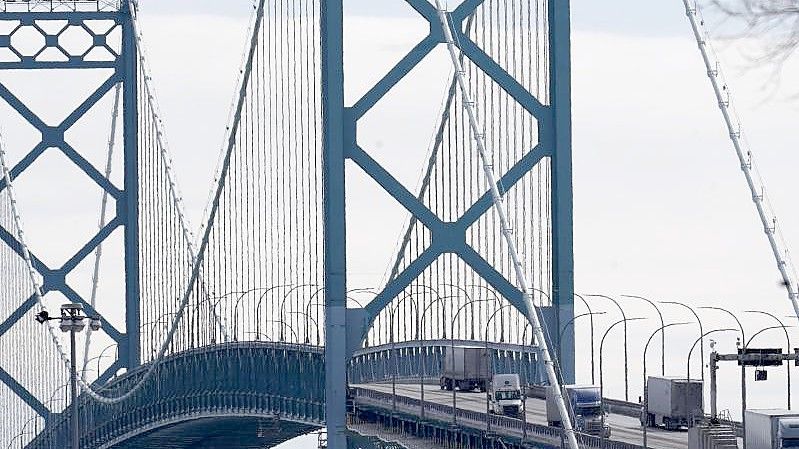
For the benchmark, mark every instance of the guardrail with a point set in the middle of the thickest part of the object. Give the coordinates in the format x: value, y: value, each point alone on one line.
x: 511, y: 427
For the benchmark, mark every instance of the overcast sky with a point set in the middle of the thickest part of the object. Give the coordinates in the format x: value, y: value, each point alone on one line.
x: 661, y: 208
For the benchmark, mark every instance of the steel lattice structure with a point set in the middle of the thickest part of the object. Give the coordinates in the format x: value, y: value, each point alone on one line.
x: 267, y: 276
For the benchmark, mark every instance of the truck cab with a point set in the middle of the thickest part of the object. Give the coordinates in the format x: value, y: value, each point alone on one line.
x: 585, y: 404
x: 788, y: 432
x: 505, y: 395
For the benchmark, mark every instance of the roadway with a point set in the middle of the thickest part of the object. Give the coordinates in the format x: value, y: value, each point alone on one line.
x: 624, y: 428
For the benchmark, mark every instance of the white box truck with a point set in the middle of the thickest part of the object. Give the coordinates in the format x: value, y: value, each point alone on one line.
x: 466, y: 368
x: 585, y: 404
x: 673, y: 402
x: 772, y: 429
x: 505, y: 395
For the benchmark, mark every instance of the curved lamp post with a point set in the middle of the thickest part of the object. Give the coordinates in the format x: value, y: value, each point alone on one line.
x: 788, y: 342
x: 285, y: 298
x: 452, y: 350
x: 573, y: 322
x: 688, y: 363
x: 626, y: 352
x: 488, y: 392
x: 701, y: 338
x: 662, y: 336
x: 423, y: 371
x: 392, y: 312
x: 309, y: 317
x: 645, y: 417
x: 468, y: 301
x: 743, y: 375
x: 591, y: 318
x: 601, y: 373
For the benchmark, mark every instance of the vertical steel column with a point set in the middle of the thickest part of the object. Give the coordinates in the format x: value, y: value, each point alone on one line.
x: 332, y: 45
x: 130, y: 353
x: 562, y: 205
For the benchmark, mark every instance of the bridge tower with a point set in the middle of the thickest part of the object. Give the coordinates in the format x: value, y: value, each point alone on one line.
x: 96, y: 38
x: 341, y: 145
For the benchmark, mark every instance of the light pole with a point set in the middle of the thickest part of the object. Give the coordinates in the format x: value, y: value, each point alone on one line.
x: 311, y: 319
x: 423, y: 371
x: 662, y: 336
x: 701, y: 340
x: 468, y: 301
x: 488, y: 392
x: 645, y: 417
x: 788, y: 350
x: 602, y: 374
x: 743, y: 376
x: 573, y: 322
x: 626, y: 359
x: 72, y: 320
x: 591, y: 318
x: 452, y: 354
x: 392, y: 311
x: 688, y: 368
x: 743, y: 367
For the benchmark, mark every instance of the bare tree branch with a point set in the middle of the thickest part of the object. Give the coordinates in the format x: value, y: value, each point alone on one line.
x: 775, y: 21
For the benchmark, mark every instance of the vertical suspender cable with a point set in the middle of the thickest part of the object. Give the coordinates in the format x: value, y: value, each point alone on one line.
x: 757, y: 189
x: 499, y: 207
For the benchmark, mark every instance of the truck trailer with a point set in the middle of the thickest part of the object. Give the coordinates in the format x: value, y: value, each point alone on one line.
x: 673, y: 402
x: 466, y: 368
x: 772, y: 429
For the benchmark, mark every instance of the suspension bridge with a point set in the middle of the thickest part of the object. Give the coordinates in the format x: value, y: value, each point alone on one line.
x: 247, y: 333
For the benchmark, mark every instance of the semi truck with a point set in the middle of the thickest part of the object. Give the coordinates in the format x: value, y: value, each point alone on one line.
x: 505, y: 395
x: 585, y: 404
x: 673, y: 402
x: 466, y: 368
x: 772, y: 429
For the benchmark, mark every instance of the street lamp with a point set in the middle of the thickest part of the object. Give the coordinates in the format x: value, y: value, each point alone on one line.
x: 452, y: 352
x: 701, y: 339
x: 392, y: 311
x: 743, y: 375
x: 626, y: 352
x: 645, y: 417
x: 488, y: 392
x: 662, y: 336
x: 602, y: 374
x: 72, y: 320
x: 573, y: 322
x: 788, y: 341
x: 743, y: 367
x: 688, y: 367
x: 311, y: 319
x: 591, y: 318
x: 423, y: 371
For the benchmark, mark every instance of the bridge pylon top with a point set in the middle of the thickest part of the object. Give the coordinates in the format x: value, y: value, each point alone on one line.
x: 59, y: 5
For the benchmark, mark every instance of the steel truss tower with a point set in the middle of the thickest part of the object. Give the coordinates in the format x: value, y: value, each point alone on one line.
x: 52, y: 21
x: 341, y: 144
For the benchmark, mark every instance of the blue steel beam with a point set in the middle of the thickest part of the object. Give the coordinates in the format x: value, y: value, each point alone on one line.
x: 554, y: 142
x: 335, y: 226
x: 561, y: 196
x: 24, y: 394
x: 130, y: 349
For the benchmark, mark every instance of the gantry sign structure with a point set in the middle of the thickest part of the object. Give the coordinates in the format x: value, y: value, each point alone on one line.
x: 341, y: 144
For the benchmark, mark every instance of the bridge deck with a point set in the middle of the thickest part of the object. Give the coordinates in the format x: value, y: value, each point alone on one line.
x: 624, y: 428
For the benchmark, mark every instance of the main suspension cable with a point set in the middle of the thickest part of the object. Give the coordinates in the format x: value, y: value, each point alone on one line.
x: 768, y: 218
